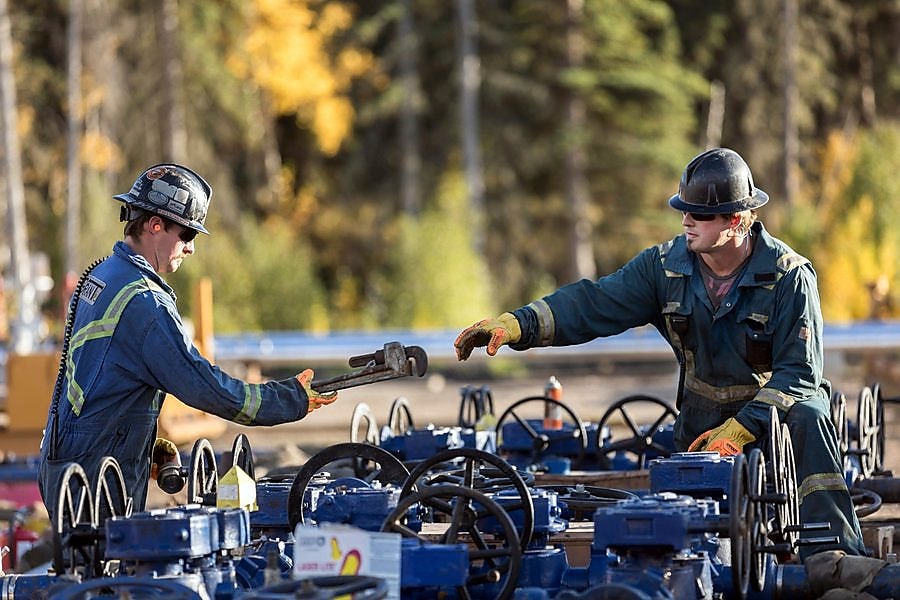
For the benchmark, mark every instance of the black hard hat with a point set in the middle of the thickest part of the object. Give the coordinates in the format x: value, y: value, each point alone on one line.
x: 171, y: 191
x: 717, y: 182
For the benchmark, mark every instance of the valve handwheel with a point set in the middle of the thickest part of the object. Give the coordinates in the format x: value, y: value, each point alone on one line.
x: 758, y: 518
x: 879, y: 419
x: 641, y: 441
x: 739, y: 527
x: 242, y: 455
x: 480, y: 470
x: 494, y: 560
x: 400, y: 418
x: 841, y: 424
x: 870, y: 432
x: 583, y: 500
x: 392, y: 471
x: 75, y: 530
x: 784, y: 479
x: 203, y: 477
x: 541, y: 442
x: 474, y: 404
x: 111, y: 499
x: 363, y: 412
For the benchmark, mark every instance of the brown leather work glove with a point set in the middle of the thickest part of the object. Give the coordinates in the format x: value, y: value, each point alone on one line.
x: 727, y: 439
x: 492, y: 333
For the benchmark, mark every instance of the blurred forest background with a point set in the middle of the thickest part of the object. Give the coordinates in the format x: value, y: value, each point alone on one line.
x: 425, y: 163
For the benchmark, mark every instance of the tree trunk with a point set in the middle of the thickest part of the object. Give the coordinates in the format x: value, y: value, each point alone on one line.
x: 715, y: 118
x: 470, y: 76
x: 791, y: 144
x: 171, y: 117
x: 25, y: 325
x: 867, y: 107
x: 74, y: 129
x: 409, y: 115
x: 581, y: 262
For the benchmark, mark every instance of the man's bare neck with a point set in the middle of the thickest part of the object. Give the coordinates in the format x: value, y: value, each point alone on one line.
x: 727, y: 259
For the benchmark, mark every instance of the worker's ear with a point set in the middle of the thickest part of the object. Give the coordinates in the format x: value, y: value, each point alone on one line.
x: 155, y: 224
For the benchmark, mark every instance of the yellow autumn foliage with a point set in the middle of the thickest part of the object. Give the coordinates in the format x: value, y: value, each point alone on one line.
x: 847, y: 271
x: 855, y: 250
x: 100, y: 153
x: 286, y: 53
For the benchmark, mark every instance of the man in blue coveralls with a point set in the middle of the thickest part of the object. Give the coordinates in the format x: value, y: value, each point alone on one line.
x: 741, y: 311
x: 127, y: 347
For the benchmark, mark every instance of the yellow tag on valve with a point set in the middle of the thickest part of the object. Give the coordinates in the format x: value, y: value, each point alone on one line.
x: 236, y: 490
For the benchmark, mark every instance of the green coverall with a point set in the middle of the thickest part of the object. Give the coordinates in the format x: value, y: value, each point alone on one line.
x: 761, y: 348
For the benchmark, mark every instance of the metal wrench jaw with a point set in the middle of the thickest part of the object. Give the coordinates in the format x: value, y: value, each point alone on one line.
x: 403, y: 360
x: 391, y: 362
x: 417, y: 360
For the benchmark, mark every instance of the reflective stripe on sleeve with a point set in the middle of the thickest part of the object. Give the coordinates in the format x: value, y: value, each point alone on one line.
x: 546, y: 323
x: 776, y: 398
x: 252, y: 401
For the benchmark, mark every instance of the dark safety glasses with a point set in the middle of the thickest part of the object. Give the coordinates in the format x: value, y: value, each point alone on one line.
x: 187, y: 235
x: 701, y: 216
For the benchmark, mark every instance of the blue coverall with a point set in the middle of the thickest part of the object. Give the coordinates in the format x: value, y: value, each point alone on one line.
x: 761, y: 348
x: 128, y: 349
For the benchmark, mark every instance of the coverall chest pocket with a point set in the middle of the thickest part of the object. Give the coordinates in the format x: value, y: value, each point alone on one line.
x: 676, y: 312
x: 757, y: 341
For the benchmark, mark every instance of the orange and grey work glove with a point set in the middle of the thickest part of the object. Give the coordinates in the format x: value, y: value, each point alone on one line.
x: 492, y: 333
x: 164, y: 453
x: 316, y: 400
x: 727, y: 439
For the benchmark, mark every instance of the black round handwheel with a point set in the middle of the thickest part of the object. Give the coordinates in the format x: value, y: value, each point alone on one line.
x: 784, y: 480
x: 871, y: 430
x: 125, y: 587
x: 242, y: 455
x: 474, y: 403
x: 354, y: 587
x: 641, y: 441
x: 472, y: 474
x: 75, y: 529
x: 738, y: 527
x: 866, y: 502
x: 392, y: 471
x: 868, y: 432
x: 400, y: 419
x: 841, y: 424
x: 541, y: 442
x: 203, y: 477
x: 882, y: 430
x: 758, y: 518
x: 583, y: 500
x: 496, y: 563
